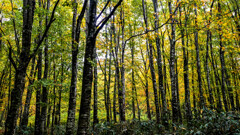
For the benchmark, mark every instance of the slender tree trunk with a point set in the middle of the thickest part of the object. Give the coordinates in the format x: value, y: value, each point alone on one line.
x: 116, y: 71
x: 38, y: 95
x: 178, y: 96
x: 211, y: 100
x: 45, y: 77
x: 202, y: 101
x: 146, y: 80
x: 175, y: 110
x: 221, y: 50
x: 70, y: 127
x: 133, y: 79
x: 58, y: 111
x: 151, y: 64
x: 109, y: 82
x: 54, y: 98
x: 194, y: 94
x: 185, y: 67
x: 73, y: 88
x: 159, y: 63
x: 105, y: 83
x: 121, y: 91
x: 95, y: 91
x: 216, y: 77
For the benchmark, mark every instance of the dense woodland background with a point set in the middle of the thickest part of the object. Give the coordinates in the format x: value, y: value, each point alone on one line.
x: 119, y: 67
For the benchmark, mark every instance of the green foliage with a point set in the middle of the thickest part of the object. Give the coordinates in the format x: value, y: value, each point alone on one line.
x: 211, y: 123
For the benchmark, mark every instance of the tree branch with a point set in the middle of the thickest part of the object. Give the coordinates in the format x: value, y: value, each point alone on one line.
x: 103, y: 8
x: 108, y: 17
x: 52, y: 19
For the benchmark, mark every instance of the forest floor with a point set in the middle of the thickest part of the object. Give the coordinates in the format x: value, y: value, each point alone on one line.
x: 206, y: 122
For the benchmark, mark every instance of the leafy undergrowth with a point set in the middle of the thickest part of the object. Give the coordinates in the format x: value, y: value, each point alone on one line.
x: 210, y: 123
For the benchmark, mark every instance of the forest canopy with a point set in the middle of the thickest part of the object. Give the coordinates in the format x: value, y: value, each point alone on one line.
x: 119, y: 67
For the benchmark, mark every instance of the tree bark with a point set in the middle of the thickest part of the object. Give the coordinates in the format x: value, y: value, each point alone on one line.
x: 24, y: 122
x: 202, y: 100
x: 75, y: 41
x: 175, y: 110
x: 151, y: 64
x: 45, y: 77
x: 19, y: 83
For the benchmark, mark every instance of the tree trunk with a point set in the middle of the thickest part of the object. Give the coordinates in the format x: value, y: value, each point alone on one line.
x: 121, y: 91
x: 75, y: 41
x: 211, y: 100
x: 133, y: 79
x: 84, y: 114
x: 45, y: 77
x: 185, y: 67
x: 24, y: 122
x: 202, y: 101
x: 151, y: 64
x: 95, y: 91
x: 175, y: 116
x: 38, y: 96
x: 19, y: 83
x: 221, y: 50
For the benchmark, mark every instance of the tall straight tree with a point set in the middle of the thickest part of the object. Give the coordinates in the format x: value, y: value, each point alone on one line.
x: 172, y: 67
x: 159, y: 63
x: 23, y: 61
x: 122, y: 90
x: 24, y: 121
x: 73, y: 90
x: 84, y: 114
x: 151, y: 64
x: 185, y: 58
x: 45, y: 76
x: 202, y: 101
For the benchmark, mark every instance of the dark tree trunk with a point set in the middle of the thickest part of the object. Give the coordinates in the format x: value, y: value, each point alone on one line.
x: 121, y: 91
x: 151, y: 64
x: 202, y: 101
x: 146, y: 80
x: 84, y: 114
x: 24, y: 121
x: 39, y: 86
x: 116, y: 70
x: 75, y: 41
x: 178, y: 96
x: 58, y: 111
x: 221, y: 50
x: 105, y: 82
x: 133, y: 79
x: 109, y: 82
x: 185, y: 67
x: 95, y: 91
x: 70, y: 127
x: 54, y: 98
x: 211, y: 100
x: 175, y: 110
x: 38, y: 95
x: 19, y: 83
x: 45, y: 77
x: 159, y: 63
x: 216, y: 77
